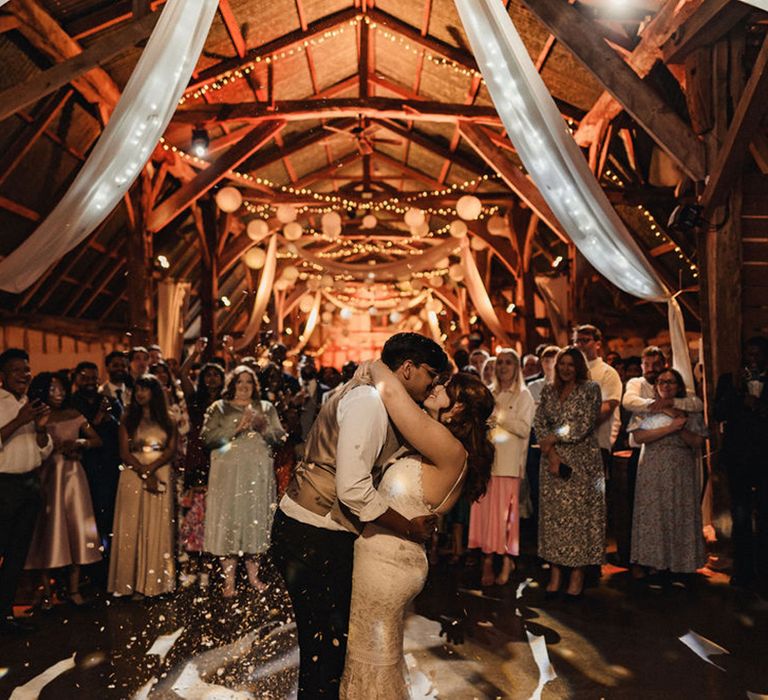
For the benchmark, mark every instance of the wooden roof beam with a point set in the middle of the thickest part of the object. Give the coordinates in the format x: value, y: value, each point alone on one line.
x: 513, y: 176
x: 36, y: 87
x: 299, y: 110
x: 8, y: 23
x: 327, y: 173
x: 642, y: 59
x: 18, y: 209
x: 232, y: 27
x: 412, y: 173
x: 668, y: 130
x: 191, y: 191
x: 750, y: 111
x: 713, y: 20
x: 47, y: 35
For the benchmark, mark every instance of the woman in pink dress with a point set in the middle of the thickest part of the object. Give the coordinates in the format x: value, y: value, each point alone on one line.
x: 494, y: 521
x: 65, y: 534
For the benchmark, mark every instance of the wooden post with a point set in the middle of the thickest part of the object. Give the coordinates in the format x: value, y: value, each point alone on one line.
x: 209, y: 274
x: 140, y: 264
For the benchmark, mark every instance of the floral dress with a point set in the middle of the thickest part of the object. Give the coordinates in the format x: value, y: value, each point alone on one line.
x: 572, y: 511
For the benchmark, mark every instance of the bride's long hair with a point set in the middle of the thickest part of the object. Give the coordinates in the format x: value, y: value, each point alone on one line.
x: 470, y: 426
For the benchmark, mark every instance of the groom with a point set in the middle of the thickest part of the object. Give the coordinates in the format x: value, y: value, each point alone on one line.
x: 332, y: 496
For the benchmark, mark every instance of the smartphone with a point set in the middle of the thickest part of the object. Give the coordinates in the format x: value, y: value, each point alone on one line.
x: 565, y: 471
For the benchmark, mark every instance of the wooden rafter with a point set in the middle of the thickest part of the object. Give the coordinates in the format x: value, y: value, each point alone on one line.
x: 233, y: 28
x: 18, y: 209
x: 206, y: 179
x: 645, y: 106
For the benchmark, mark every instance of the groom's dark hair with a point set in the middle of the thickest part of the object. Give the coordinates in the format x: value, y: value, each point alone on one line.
x: 414, y: 347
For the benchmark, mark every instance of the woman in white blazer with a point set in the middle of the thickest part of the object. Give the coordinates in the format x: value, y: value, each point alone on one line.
x: 494, y: 523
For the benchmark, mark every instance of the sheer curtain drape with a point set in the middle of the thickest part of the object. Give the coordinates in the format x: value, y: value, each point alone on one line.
x: 173, y: 301
x: 557, y: 166
x: 140, y: 118
x: 263, y: 295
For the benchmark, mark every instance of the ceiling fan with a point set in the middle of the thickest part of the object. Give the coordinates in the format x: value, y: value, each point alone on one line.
x: 363, y: 133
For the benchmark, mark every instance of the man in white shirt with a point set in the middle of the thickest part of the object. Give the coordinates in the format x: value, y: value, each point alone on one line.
x: 588, y: 339
x: 24, y: 443
x: 332, y: 495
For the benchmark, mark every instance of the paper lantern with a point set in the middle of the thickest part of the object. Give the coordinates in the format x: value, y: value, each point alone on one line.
x: 306, y: 304
x: 497, y: 226
x: 329, y: 306
x: 286, y: 213
x: 477, y: 243
x: 436, y: 281
x: 469, y: 207
x: 281, y: 285
x: 434, y: 305
x: 331, y: 221
x: 458, y: 229
x: 326, y: 281
x: 229, y: 199
x: 417, y: 284
x: 326, y: 317
x: 313, y: 284
x: 346, y: 313
x: 257, y: 229
x: 456, y: 272
x: 421, y: 230
x: 443, y: 263
x: 255, y: 258
x: 290, y: 273
x: 372, y: 311
x: 292, y: 231
x: 414, y: 217
x: 369, y: 221
x: 395, y: 317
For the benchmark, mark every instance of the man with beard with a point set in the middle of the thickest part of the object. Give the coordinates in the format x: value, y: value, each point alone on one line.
x: 101, y: 464
x: 116, y: 388
x: 24, y: 444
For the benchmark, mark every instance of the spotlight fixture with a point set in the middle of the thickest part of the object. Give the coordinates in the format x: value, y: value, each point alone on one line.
x: 556, y: 262
x: 225, y: 301
x: 200, y: 141
x: 685, y: 218
x: 162, y: 262
x: 511, y: 308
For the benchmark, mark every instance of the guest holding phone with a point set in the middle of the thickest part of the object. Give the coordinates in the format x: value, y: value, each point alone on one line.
x: 572, y: 496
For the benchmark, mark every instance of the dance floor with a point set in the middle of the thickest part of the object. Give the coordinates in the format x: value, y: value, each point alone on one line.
x: 616, y: 642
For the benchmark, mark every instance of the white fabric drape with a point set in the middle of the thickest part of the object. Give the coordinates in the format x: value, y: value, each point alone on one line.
x: 556, y: 165
x: 263, y: 294
x: 554, y: 292
x: 434, y: 327
x: 479, y: 295
x: 309, y: 326
x: 173, y: 300
x: 140, y: 118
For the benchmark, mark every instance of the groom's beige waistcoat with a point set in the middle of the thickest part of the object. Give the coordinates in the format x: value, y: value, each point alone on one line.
x: 314, y: 483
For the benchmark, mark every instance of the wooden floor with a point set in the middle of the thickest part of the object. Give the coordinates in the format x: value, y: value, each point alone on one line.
x: 617, y: 642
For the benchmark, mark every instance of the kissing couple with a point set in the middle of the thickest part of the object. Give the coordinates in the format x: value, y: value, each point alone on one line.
x: 387, y: 454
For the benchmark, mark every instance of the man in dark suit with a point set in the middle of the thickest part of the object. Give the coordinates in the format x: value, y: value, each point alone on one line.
x: 741, y: 403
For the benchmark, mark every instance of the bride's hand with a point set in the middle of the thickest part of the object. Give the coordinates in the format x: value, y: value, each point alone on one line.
x: 379, y: 371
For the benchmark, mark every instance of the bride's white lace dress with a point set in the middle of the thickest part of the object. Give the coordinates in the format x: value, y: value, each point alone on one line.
x: 389, y: 572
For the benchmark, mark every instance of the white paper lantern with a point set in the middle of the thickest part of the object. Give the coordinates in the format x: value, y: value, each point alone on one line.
x: 286, y: 213
x: 255, y: 258
x: 434, y: 305
x: 497, y: 226
x: 421, y: 230
x: 369, y: 221
x: 290, y: 273
x: 313, y: 284
x: 281, y: 285
x: 477, y: 243
x: 417, y: 284
x: 346, y: 313
x: 329, y: 306
x: 395, y: 317
x: 326, y: 281
x: 458, y: 229
x: 436, y: 281
x: 306, y: 303
x: 414, y: 217
x: 292, y: 231
x: 456, y: 272
x: 372, y: 311
x: 257, y: 229
x: 469, y: 207
x: 229, y: 199
x: 331, y: 221
x: 326, y: 317
x: 404, y: 286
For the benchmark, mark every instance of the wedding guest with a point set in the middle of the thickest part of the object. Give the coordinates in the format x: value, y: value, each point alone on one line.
x: 531, y: 368
x: 494, y: 522
x: 177, y: 405
x: 547, y: 361
x: 65, y: 533
x: 572, y: 498
x: 116, y: 386
x: 25, y: 443
x: 477, y: 358
x: 197, y: 465
x: 240, y: 431
x: 589, y: 339
x: 155, y: 354
x: 278, y: 354
x: 741, y: 403
x: 489, y: 371
x: 633, y: 367
x: 310, y: 394
x: 101, y: 464
x: 142, y: 561
x: 138, y: 362
x: 666, y: 525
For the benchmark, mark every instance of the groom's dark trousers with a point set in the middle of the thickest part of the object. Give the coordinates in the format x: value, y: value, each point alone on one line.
x: 316, y: 565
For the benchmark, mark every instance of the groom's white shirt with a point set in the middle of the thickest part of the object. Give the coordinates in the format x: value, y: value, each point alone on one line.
x: 363, y: 423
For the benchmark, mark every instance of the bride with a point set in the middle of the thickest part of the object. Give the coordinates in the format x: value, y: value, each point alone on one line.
x: 451, y: 456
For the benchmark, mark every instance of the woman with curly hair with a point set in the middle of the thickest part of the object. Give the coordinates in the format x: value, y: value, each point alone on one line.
x: 453, y: 456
